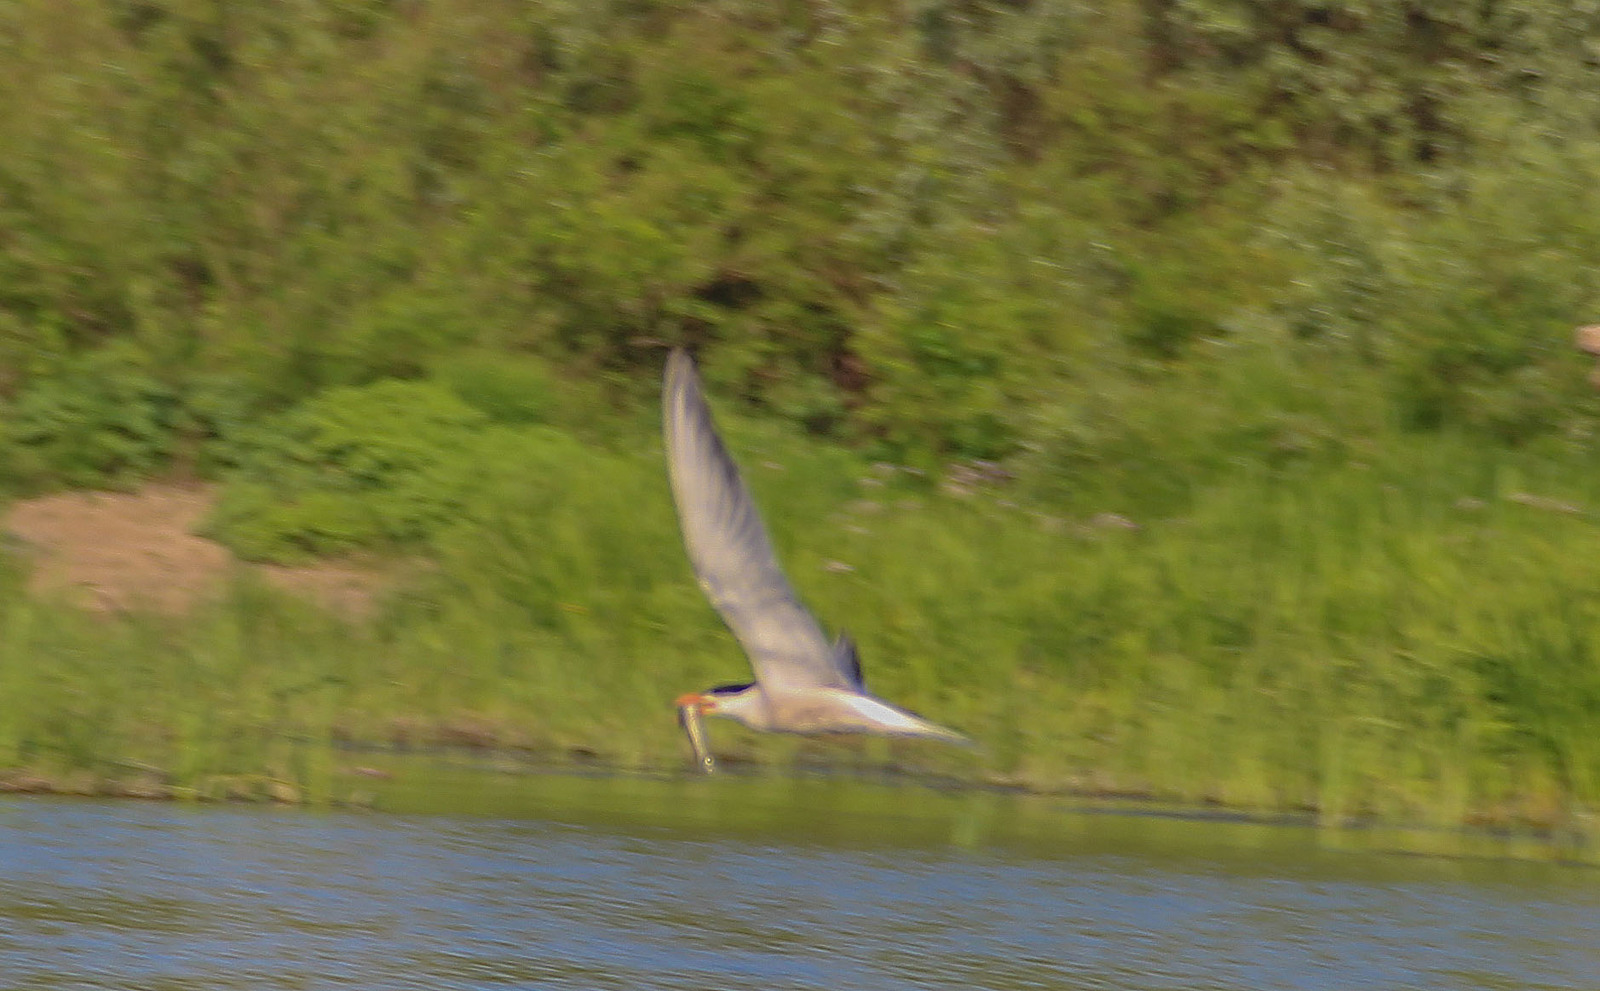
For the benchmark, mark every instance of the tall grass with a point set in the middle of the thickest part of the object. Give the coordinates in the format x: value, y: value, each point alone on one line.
x: 1402, y: 636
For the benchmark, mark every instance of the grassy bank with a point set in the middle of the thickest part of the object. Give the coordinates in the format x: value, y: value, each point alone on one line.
x: 1410, y: 635
x: 1289, y: 289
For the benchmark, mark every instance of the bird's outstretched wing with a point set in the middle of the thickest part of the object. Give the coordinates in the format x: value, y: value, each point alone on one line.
x: 731, y: 553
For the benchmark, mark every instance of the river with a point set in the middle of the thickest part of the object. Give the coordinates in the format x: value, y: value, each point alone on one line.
x: 464, y: 879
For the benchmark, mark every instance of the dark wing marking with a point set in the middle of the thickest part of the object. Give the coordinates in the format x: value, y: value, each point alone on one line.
x: 730, y: 550
x: 846, y: 659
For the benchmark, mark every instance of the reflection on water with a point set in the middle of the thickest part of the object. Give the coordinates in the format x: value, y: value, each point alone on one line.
x: 622, y: 883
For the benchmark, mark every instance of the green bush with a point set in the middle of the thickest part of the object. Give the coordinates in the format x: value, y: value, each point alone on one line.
x: 910, y: 230
x: 507, y: 388
x: 376, y: 466
x: 102, y: 419
x: 396, y: 465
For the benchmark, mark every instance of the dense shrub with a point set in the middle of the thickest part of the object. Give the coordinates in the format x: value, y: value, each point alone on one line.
x: 920, y: 228
x: 376, y: 466
x: 506, y: 388
x: 102, y: 419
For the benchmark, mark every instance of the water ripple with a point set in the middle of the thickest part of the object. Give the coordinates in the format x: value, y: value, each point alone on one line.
x: 132, y: 896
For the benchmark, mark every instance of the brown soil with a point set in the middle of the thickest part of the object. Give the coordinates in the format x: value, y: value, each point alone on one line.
x: 114, y: 551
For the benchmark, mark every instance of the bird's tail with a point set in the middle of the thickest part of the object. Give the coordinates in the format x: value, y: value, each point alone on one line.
x: 878, y: 716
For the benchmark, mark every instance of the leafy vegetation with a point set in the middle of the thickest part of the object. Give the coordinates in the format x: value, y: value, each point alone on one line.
x: 1287, y: 285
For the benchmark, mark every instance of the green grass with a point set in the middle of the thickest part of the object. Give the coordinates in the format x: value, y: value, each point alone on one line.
x: 399, y: 276
x: 1398, y: 637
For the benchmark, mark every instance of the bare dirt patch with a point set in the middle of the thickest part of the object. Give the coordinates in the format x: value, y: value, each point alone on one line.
x: 114, y: 551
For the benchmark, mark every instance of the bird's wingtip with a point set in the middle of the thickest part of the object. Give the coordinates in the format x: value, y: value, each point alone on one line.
x: 679, y: 363
x: 680, y: 382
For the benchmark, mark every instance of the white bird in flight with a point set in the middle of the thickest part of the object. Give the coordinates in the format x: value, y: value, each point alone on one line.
x: 804, y: 684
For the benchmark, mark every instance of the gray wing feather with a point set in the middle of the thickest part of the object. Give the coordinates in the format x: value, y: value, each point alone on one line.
x: 731, y: 552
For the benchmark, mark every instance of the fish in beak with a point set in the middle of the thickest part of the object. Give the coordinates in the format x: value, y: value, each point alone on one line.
x: 689, y: 709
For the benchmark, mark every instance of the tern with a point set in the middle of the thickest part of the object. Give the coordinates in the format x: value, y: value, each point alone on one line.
x: 803, y: 683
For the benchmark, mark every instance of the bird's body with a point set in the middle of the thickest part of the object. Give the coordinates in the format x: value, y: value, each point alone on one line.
x: 804, y: 683
x: 821, y: 710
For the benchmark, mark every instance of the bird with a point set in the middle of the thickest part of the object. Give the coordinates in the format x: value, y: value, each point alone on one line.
x: 803, y: 682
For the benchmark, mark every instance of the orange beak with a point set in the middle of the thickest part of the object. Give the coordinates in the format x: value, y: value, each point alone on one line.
x: 701, y: 703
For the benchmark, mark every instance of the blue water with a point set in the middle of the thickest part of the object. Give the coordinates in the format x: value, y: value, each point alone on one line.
x: 133, y: 896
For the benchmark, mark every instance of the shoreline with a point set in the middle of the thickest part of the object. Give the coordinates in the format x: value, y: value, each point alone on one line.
x: 1265, y: 657
x: 372, y: 783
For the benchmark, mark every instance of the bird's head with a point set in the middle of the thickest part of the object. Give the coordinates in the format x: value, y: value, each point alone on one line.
x: 709, y: 703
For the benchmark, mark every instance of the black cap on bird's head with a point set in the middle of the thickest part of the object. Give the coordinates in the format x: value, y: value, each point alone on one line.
x: 706, y: 701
